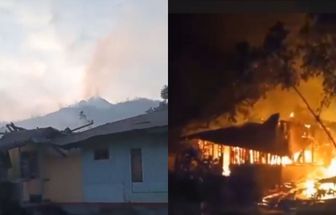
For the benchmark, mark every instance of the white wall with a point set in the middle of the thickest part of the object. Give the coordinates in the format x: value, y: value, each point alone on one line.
x: 110, y: 180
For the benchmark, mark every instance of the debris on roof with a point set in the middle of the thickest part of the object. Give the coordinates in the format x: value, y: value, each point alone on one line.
x: 19, y: 136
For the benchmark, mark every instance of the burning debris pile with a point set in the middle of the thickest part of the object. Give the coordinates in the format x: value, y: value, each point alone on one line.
x: 318, y: 188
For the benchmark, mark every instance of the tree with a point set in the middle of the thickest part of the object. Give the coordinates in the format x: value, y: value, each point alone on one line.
x: 164, y: 93
x: 211, y: 82
x: 162, y: 105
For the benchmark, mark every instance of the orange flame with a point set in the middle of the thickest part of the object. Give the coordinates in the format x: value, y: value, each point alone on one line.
x: 291, y: 115
x: 226, y: 161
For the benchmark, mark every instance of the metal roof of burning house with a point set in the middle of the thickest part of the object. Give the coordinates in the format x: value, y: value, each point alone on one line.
x: 262, y: 137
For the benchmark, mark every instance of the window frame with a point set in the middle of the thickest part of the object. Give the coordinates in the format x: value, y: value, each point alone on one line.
x: 136, y: 178
x: 29, y: 165
x: 101, y: 156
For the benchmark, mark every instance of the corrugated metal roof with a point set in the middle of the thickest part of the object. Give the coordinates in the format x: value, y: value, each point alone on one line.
x: 145, y: 121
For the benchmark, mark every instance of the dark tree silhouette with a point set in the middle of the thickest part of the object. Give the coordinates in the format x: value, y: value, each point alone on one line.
x: 162, y: 105
x: 210, y: 81
x: 164, y: 93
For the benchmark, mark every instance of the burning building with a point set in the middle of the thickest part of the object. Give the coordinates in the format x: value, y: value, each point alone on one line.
x: 218, y: 77
x: 275, y: 152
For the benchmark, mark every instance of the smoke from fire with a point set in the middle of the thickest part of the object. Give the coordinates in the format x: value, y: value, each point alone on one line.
x: 134, y: 52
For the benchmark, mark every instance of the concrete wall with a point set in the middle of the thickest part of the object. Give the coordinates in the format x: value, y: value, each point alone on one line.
x: 59, y: 177
x: 31, y: 186
x: 110, y: 180
x: 63, y: 177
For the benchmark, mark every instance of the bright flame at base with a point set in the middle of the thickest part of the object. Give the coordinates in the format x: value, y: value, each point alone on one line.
x: 310, y: 189
x: 226, y: 161
x: 321, y: 190
x: 331, y: 170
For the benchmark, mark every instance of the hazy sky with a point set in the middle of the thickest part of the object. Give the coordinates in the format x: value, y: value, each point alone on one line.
x: 54, y: 53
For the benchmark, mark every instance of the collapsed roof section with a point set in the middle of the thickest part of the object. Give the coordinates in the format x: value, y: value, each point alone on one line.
x: 67, y: 138
x: 22, y: 137
x: 263, y: 137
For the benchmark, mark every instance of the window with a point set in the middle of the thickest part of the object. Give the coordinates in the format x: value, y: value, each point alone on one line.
x: 136, y: 165
x: 101, y: 154
x: 29, y: 165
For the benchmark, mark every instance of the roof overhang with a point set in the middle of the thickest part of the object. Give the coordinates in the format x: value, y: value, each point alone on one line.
x: 83, y: 142
x: 261, y: 137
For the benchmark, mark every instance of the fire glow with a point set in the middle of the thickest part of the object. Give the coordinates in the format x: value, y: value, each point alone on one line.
x: 239, y: 156
x: 314, y: 188
x: 319, y: 185
x: 291, y: 115
x: 309, y: 153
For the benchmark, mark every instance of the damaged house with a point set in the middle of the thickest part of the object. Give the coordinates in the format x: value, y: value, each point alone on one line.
x: 118, y: 162
x: 274, y: 151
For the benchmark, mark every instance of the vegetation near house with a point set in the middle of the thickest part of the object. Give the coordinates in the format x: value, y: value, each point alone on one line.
x: 164, y: 93
x: 162, y: 105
